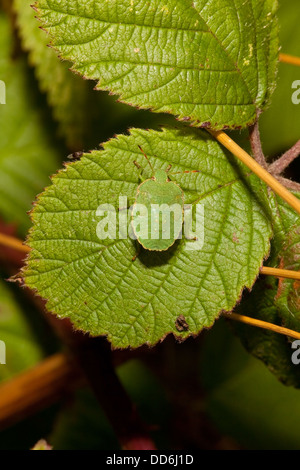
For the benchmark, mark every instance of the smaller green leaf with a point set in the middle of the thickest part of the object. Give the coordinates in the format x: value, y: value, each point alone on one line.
x: 95, y: 282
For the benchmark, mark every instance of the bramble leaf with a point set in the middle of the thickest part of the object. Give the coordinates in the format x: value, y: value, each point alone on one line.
x: 97, y: 284
x: 210, y: 63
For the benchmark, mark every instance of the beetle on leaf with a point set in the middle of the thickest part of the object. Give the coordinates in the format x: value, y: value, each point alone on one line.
x: 157, y: 213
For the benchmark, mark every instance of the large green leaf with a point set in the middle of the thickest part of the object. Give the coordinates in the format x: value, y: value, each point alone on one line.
x: 27, y: 155
x: 85, y: 117
x: 213, y: 63
x: 97, y: 284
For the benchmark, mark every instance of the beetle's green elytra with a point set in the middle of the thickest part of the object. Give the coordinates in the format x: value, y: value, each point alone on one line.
x: 157, y: 214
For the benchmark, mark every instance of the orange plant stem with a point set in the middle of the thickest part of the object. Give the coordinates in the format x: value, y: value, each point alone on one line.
x: 289, y: 59
x: 12, y: 242
x: 33, y: 389
x: 262, y: 324
x: 288, y: 274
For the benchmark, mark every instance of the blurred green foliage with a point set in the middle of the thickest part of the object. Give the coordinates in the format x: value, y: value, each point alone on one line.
x: 204, y: 393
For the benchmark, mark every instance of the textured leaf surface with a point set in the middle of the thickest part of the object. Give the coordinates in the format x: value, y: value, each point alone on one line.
x: 27, y: 155
x: 212, y: 63
x: 98, y: 285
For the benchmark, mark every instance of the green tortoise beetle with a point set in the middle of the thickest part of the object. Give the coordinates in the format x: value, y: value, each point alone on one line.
x: 157, y: 213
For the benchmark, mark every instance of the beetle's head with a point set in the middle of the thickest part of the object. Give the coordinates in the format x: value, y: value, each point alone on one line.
x: 161, y: 176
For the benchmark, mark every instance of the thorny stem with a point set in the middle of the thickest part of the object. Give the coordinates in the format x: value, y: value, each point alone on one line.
x: 261, y: 172
x: 292, y: 185
x: 277, y: 167
x: 256, y: 145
